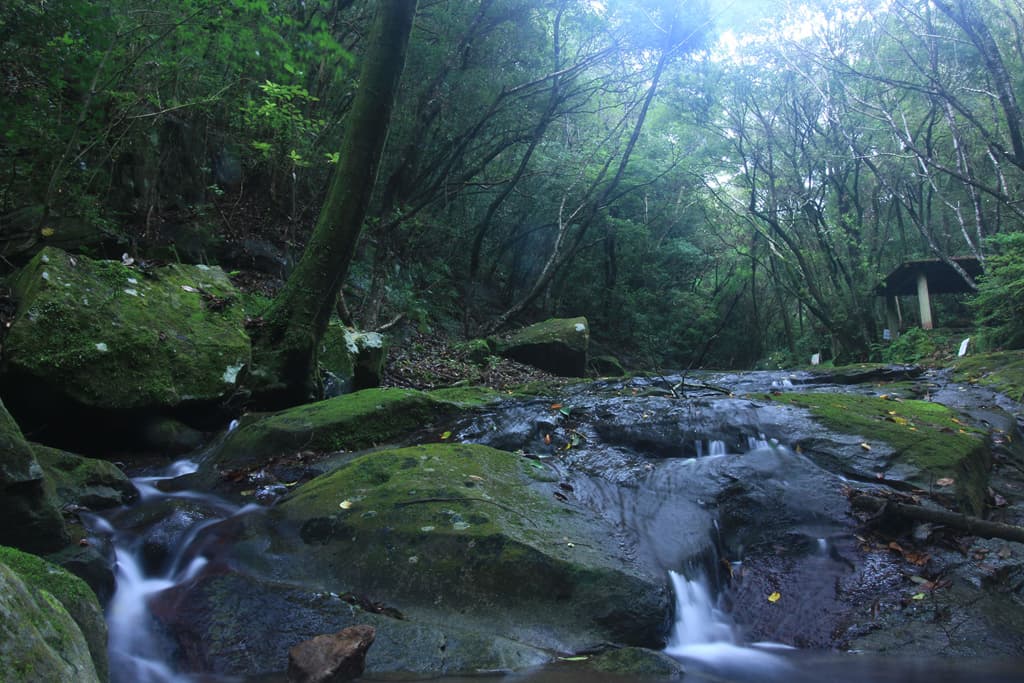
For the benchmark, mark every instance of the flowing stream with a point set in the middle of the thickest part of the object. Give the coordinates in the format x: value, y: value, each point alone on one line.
x: 139, y: 652
x: 683, y: 479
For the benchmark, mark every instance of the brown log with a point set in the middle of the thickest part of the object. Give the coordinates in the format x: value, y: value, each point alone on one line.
x: 882, y: 508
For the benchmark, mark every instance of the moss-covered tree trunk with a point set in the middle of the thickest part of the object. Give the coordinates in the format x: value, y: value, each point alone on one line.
x: 285, y: 341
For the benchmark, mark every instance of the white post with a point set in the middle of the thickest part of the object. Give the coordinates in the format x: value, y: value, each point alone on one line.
x: 924, y: 302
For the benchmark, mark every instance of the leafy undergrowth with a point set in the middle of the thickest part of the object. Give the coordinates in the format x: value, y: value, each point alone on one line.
x: 1003, y: 371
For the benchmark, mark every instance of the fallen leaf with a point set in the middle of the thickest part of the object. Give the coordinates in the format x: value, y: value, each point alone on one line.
x: 547, y: 439
x: 446, y: 435
x: 945, y: 481
x: 565, y: 410
x: 917, y: 596
x: 865, y: 446
x: 581, y: 658
x: 345, y: 504
x: 774, y: 597
x: 189, y: 288
x: 556, y: 406
x: 1005, y: 553
x: 47, y: 232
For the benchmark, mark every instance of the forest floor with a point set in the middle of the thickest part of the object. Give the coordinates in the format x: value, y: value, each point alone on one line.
x: 419, y: 360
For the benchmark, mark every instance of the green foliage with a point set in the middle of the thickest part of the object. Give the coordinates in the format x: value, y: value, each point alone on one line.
x: 999, y: 304
x: 913, y: 346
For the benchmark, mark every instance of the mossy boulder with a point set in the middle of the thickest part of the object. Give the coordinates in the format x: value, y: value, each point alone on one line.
x: 921, y: 443
x: 51, y: 625
x: 351, y: 360
x: 354, y: 421
x: 474, y: 534
x: 85, y: 482
x: 104, y: 336
x: 558, y: 345
x: 28, y: 508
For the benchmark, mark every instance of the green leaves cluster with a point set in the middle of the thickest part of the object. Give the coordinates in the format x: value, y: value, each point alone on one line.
x: 999, y: 303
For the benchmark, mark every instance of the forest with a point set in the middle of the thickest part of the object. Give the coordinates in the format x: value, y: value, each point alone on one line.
x: 712, y: 184
x: 551, y: 338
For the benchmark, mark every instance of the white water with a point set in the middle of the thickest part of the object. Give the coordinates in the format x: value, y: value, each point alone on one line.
x: 704, y: 637
x: 137, y: 653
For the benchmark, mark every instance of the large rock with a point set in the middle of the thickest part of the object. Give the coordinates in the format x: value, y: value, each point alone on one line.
x: 351, y: 360
x: 51, y: 626
x: 558, y: 345
x: 85, y: 482
x: 102, y: 336
x: 905, y: 443
x: 350, y: 422
x: 239, y: 625
x: 31, y: 519
x: 475, y: 534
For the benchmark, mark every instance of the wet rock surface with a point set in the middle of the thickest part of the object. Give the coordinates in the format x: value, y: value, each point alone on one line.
x: 467, y: 558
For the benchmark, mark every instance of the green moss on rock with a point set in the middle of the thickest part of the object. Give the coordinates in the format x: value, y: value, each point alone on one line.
x: 88, y: 482
x: 558, y: 345
x: 469, y: 528
x: 355, y: 360
x: 51, y: 625
x: 349, y: 422
x: 637, y: 662
x: 1002, y: 371
x: 927, y: 437
x: 112, y: 337
x: 28, y: 508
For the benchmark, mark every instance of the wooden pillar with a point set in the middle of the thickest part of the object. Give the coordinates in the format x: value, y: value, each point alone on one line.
x: 924, y: 302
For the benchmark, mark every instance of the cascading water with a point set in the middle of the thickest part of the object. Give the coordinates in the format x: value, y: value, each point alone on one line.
x: 137, y: 652
x: 703, y: 636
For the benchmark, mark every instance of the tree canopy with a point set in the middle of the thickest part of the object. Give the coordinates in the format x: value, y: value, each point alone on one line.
x: 709, y: 183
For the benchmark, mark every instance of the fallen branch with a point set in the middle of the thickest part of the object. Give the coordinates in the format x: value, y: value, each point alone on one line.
x: 881, y: 509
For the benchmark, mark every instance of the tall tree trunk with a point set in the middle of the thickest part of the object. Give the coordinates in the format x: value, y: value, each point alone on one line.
x: 284, y: 367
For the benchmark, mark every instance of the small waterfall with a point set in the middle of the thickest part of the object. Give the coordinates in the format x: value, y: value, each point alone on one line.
x: 703, y: 636
x: 138, y: 652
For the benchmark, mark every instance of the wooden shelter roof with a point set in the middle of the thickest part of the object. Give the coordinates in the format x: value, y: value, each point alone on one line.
x: 942, y: 279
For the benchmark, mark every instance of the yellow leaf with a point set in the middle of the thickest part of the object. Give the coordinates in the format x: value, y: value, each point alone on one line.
x: 865, y: 446
x: 446, y: 435
x: 774, y: 597
x: 47, y: 232
x: 345, y: 504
